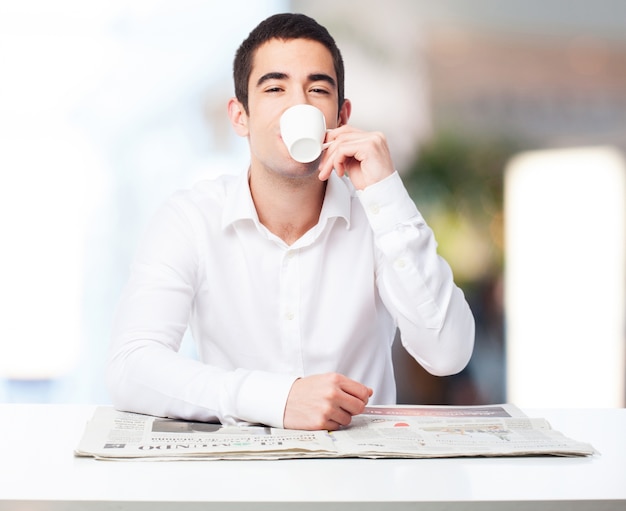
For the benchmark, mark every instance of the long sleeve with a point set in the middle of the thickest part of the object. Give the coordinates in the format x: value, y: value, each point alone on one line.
x: 263, y: 313
x: 415, y: 283
x: 146, y: 373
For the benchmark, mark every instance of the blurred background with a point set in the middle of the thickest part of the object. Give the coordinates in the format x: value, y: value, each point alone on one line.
x: 507, y: 121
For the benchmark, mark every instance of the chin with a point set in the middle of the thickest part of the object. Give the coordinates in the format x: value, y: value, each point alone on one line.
x: 298, y: 170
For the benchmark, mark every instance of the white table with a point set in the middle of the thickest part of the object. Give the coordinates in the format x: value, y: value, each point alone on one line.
x: 39, y: 472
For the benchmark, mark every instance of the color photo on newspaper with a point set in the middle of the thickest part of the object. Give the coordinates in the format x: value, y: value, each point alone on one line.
x: 380, y: 432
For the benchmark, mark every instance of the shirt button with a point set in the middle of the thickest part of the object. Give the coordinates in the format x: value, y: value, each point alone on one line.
x: 374, y: 208
x: 400, y: 263
x: 289, y: 315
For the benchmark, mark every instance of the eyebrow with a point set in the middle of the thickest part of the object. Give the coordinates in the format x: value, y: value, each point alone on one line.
x: 321, y: 77
x: 271, y: 76
x: 314, y: 77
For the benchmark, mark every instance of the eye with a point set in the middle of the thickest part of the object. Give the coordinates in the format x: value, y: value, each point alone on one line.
x: 273, y: 89
x: 319, y: 90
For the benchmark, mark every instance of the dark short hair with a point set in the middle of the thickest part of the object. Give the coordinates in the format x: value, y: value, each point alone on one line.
x: 284, y: 26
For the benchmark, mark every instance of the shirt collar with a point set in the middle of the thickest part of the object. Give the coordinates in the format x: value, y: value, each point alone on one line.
x: 337, y: 201
x: 240, y: 206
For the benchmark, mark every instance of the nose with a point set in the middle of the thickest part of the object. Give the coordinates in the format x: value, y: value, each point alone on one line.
x: 299, y: 97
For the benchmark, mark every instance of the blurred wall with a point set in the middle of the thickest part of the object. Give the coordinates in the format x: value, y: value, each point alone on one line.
x: 108, y: 107
x: 482, y: 80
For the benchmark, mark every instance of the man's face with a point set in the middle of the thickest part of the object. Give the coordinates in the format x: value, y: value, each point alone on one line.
x: 287, y: 73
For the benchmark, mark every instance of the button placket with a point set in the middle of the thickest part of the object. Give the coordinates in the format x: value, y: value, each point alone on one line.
x: 290, y: 305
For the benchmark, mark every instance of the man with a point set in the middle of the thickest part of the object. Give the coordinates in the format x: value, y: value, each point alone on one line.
x: 292, y: 277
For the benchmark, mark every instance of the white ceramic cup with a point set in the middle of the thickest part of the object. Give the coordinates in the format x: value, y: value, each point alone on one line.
x: 303, y: 129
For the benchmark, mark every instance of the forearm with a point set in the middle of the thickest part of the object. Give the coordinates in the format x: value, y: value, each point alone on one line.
x: 151, y: 379
x: 446, y: 349
x: 145, y: 371
x: 146, y: 377
x: 416, y: 284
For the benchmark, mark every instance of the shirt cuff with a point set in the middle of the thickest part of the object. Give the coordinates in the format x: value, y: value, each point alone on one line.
x: 388, y: 204
x: 262, y: 396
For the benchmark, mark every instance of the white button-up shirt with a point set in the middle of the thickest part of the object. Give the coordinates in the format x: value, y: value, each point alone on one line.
x: 263, y: 313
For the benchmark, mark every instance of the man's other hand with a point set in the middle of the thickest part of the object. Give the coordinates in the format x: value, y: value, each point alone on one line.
x: 324, y: 401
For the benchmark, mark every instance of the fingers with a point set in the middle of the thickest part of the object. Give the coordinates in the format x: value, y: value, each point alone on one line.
x: 363, y: 156
x: 355, y: 395
x: 326, y: 401
x: 336, y: 153
x: 337, y: 411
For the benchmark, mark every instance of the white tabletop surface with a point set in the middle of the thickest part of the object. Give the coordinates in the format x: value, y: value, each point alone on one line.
x: 38, y: 471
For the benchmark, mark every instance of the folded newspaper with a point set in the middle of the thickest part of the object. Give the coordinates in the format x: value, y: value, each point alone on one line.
x: 380, y: 432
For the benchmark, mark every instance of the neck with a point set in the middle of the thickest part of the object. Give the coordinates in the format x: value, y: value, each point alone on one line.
x: 288, y: 207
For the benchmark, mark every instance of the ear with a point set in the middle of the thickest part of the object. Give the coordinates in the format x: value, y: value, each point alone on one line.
x: 344, y: 113
x: 238, y: 117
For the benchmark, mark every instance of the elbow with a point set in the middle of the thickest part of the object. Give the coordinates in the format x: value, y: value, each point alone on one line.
x: 462, y: 348
x: 449, y: 365
x: 453, y: 347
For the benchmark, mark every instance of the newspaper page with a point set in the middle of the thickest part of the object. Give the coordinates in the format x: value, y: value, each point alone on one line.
x: 435, y: 432
x: 380, y: 432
